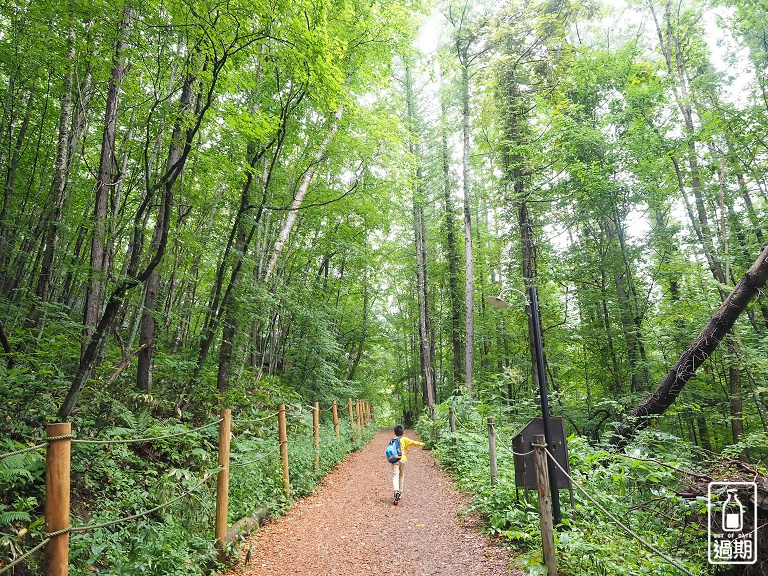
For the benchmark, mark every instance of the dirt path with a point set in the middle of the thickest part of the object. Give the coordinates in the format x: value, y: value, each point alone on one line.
x: 350, y: 527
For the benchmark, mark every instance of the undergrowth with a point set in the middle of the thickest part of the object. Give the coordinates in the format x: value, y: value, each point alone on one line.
x: 114, y: 480
x: 643, y: 488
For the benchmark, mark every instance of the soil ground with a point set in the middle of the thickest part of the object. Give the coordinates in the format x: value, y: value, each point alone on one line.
x: 349, y: 526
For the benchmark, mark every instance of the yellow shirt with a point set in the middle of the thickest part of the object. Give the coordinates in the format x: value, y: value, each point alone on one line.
x: 405, y: 443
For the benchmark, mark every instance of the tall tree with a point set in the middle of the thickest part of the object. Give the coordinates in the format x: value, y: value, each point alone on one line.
x: 468, y: 29
x: 420, y: 245
x: 105, y: 183
x: 222, y: 44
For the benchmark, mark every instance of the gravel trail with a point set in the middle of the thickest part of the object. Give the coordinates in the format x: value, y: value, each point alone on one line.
x: 349, y: 526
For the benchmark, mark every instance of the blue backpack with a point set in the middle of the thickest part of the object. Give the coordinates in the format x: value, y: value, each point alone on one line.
x: 394, y: 451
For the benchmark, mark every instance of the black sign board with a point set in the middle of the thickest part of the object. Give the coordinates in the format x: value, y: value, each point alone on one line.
x: 525, y: 470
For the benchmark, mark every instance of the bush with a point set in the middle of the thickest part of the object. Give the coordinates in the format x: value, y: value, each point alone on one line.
x: 112, y: 481
x: 638, y: 491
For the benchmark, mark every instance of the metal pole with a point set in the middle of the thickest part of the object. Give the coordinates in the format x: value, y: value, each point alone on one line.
x: 544, y: 402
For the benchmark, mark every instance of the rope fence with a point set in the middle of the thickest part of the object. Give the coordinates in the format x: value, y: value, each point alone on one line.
x: 523, y: 454
x: 618, y: 522
x: 145, y: 440
x: 23, y: 451
x: 58, y: 463
x: 544, y: 497
x: 75, y: 440
x: 259, y: 459
x: 73, y: 529
x: 257, y: 420
x: 108, y: 523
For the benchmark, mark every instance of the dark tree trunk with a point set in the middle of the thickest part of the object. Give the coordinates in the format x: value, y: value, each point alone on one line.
x: 7, y: 348
x: 94, y: 299
x: 631, y: 319
x: 149, y: 311
x: 701, y: 348
x: 453, y: 258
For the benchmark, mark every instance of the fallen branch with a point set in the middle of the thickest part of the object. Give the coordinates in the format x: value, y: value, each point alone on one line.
x: 126, y: 360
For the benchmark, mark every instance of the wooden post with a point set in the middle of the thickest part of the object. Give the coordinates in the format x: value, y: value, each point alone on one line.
x: 316, y: 427
x: 492, y: 451
x: 335, y: 411
x: 57, y: 477
x: 452, y: 424
x: 359, y: 419
x: 283, y: 435
x: 351, y: 419
x: 222, y: 482
x: 545, y: 505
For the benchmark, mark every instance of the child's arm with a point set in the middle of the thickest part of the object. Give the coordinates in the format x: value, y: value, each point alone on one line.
x: 408, y: 442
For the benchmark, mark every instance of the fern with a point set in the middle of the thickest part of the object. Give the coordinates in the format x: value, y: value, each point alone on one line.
x: 10, y: 516
x: 121, y: 411
x: 18, y: 466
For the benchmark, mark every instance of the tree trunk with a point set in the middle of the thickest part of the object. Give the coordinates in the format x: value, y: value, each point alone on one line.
x: 134, y: 276
x: 422, y: 290
x: 300, y: 195
x: 701, y: 348
x: 364, y: 328
x: 149, y: 311
x: 451, y: 253
x: 7, y: 348
x: 469, y: 265
x: 737, y: 415
x: 628, y: 311
x: 419, y: 233
x: 59, y: 185
x: 94, y: 299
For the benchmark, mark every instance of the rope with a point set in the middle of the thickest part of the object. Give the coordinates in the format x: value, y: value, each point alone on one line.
x: 254, y: 420
x: 523, y: 454
x: 49, y: 439
x: 130, y: 440
x: 24, y: 556
x: 73, y: 529
x: 262, y: 457
x: 22, y: 451
x: 626, y: 528
x: 465, y: 428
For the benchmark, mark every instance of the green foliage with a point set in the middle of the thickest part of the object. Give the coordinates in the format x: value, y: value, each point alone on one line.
x: 112, y: 481
x: 641, y: 491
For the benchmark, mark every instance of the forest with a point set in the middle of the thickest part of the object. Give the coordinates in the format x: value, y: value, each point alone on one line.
x: 245, y: 203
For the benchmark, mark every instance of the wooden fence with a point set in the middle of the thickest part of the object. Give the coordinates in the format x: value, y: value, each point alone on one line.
x: 542, y: 483
x: 58, y: 465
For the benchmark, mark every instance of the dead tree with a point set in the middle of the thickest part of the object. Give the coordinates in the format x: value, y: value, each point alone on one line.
x: 699, y: 350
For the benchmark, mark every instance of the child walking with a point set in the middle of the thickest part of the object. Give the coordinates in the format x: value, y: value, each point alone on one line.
x: 398, y: 468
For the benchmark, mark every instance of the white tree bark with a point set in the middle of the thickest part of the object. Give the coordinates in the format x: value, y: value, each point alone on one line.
x: 290, y: 220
